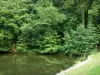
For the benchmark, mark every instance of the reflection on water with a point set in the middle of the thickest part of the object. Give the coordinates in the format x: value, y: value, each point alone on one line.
x: 33, y: 64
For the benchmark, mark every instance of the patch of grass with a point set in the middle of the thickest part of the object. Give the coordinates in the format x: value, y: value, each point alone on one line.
x: 95, y: 71
x: 90, y: 68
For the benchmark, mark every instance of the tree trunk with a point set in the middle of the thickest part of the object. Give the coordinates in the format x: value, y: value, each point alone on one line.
x: 85, y: 15
x: 14, y: 47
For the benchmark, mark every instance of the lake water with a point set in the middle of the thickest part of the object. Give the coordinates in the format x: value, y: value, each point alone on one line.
x: 34, y: 64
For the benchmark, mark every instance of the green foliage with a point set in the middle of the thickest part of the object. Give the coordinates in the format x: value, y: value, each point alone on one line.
x: 21, y: 48
x: 68, y: 3
x: 50, y: 15
x: 50, y: 43
x: 80, y: 41
x: 39, y: 25
x: 95, y: 8
x: 71, y: 22
x: 5, y: 40
x: 9, y: 29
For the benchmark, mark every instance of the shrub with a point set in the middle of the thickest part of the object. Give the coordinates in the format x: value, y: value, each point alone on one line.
x: 79, y: 41
x: 49, y: 43
x: 21, y: 48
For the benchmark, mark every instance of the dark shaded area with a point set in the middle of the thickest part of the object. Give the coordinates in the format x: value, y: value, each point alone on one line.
x: 4, y: 52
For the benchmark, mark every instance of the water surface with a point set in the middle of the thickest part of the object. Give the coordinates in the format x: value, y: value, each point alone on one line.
x: 34, y: 64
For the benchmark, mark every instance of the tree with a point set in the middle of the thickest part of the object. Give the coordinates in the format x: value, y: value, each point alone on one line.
x: 8, y: 22
x: 45, y: 19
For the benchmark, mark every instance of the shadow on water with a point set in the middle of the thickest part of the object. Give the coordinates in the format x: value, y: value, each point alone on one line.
x: 34, y: 64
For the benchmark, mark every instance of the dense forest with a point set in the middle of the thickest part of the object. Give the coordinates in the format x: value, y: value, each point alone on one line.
x: 49, y: 26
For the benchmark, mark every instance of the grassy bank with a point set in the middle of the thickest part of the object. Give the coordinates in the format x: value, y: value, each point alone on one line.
x: 90, y: 68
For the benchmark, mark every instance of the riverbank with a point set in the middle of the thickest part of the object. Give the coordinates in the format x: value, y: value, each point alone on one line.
x: 89, y: 67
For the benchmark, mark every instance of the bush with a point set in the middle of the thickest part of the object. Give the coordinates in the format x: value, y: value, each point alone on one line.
x: 79, y: 41
x: 21, y: 48
x: 5, y: 40
x: 50, y: 43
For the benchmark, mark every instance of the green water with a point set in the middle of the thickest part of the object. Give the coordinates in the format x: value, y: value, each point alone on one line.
x: 34, y: 64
